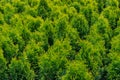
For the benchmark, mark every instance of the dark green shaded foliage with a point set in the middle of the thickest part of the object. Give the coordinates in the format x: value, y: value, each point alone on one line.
x: 89, y: 10
x: 49, y: 31
x: 43, y: 9
x: 17, y: 39
x: 25, y: 35
x: 60, y: 27
x: 1, y: 9
x: 81, y: 24
x: 101, y: 5
x: 76, y: 6
x: 1, y: 19
x: 32, y: 12
x: 9, y: 50
x: 34, y: 24
x: 19, y: 6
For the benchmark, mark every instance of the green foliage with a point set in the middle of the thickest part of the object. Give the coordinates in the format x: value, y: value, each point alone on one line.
x: 3, y: 67
x: 33, y: 3
x: 77, y: 71
x: 59, y: 39
x: 9, y: 50
x: 113, y: 68
x: 1, y: 19
x: 102, y: 27
x: 73, y: 36
x: 19, y: 6
x: 92, y: 56
x: 8, y: 13
x: 52, y: 64
x: 33, y: 24
x: 33, y: 55
x: 32, y: 11
x: 115, y: 46
x: 89, y: 10
x: 113, y: 3
x: 118, y: 23
x: 81, y: 24
x: 43, y: 9
x: 76, y: 6
x: 111, y: 14
x: 61, y: 26
x: 19, y: 69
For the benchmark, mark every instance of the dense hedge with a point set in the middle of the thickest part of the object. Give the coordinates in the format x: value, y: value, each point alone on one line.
x: 59, y: 39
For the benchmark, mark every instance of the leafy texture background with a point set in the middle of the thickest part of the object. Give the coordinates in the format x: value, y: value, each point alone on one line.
x: 59, y: 39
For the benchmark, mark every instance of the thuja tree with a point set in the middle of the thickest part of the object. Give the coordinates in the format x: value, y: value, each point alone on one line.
x: 74, y: 38
x: 20, y: 69
x: 60, y: 26
x: 8, y: 12
x: 49, y: 31
x: 9, y: 49
x: 76, y: 5
x: 81, y: 24
x: 102, y: 28
x: 98, y: 42
x: 19, y: 6
x: 52, y: 64
x: 33, y: 50
x: 92, y: 55
x: 113, y: 69
x: 44, y: 9
x: 89, y: 10
x: 45, y: 34
x: 101, y: 5
x: 51, y: 67
x: 32, y: 23
x: 17, y: 41
x: 12, y: 42
x: 77, y: 70
x: 112, y: 15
